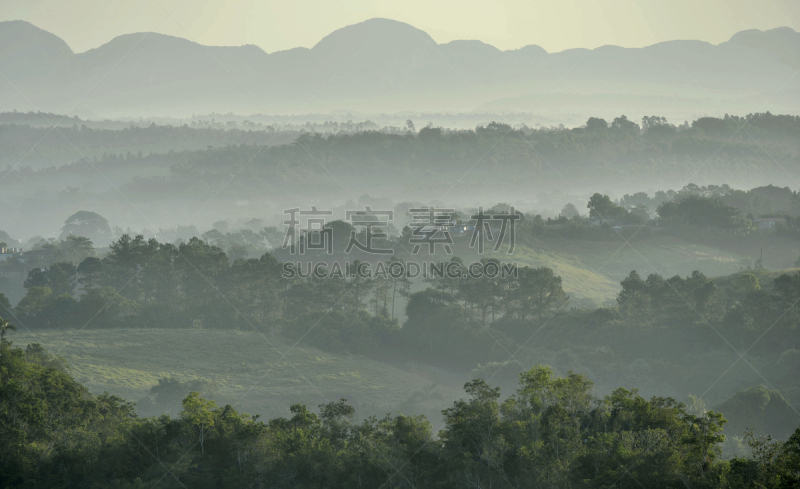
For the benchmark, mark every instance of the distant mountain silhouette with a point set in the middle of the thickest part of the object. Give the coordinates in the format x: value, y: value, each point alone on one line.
x: 783, y: 43
x: 384, y: 65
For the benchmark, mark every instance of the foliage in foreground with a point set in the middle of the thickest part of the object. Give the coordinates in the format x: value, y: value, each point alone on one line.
x: 551, y: 433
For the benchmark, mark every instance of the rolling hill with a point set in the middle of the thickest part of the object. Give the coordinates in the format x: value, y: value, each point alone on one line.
x: 258, y: 374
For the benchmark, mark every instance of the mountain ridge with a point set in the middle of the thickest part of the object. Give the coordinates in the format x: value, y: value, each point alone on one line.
x: 375, y: 65
x: 736, y: 37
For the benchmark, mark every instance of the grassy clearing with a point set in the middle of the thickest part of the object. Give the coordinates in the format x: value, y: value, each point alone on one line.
x: 258, y: 374
x: 593, y: 269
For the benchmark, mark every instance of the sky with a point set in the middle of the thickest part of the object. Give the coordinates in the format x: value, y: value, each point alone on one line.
x: 555, y: 25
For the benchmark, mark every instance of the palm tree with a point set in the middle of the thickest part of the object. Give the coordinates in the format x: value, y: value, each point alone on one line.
x: 5, y: 327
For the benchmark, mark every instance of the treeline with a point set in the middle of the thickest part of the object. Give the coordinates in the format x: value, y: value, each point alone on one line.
x: 690, y: 211
x: 70, y: 142
x: 620, y: 147
x: 148, y: 284
x: 623, y: 148
x: 693, y: 213
x: 763, y: 201
x: 552, y: 432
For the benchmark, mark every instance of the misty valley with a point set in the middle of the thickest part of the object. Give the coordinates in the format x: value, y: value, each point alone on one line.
x: 436, y: 265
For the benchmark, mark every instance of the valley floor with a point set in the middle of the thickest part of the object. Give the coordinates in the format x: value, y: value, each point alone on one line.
x: 257, y: 374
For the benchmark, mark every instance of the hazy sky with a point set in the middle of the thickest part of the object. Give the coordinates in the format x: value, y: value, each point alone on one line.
x: 508, y: 24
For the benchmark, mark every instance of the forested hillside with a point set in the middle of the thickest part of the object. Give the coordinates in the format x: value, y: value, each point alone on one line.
x: 675, y: 335
x: 551, y: 432
x: 291, y: 245
x: 246, y: 171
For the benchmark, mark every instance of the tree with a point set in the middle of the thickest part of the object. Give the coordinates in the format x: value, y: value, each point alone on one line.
x: 698, y: 210
x: 200, y: 413
x: 89, y: 225
x: 623, y: 125
x: 595, y: 124
x: 744, y: 284
x: 536, y: 293
x: 358, y: 286
x: 336, y: 418
x: 484, y: 292
x: 5, y: 304
x: 430, y: 133
x: 569, y: 211
x: 37, y: 277
x: 75, y: 249
x: 35, y: 301
x: 473, y: 440
x: 5, y: 327
x: 703, y: 437
x: 649, y: 122
x: 400, y: 281
x: 602, y: 207
x: 61, y: 278
x: 88, y: 271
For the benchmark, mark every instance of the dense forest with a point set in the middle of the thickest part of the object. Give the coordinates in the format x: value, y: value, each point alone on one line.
x: 732, y: 146
x: 365, y: 256
x: 707, y: 362
x: 552, y: 432
x: 133, y: 171
x: 668, y: 335
x: 43, y: 140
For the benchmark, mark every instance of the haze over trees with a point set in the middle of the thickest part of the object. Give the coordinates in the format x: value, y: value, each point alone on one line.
x: 164, y: 322
x: 467, y: 324
x: 525, y: 163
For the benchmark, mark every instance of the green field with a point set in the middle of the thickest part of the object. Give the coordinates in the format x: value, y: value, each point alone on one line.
x: 255, y: 373
x: 594, y: 269
x: 266, y: 374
